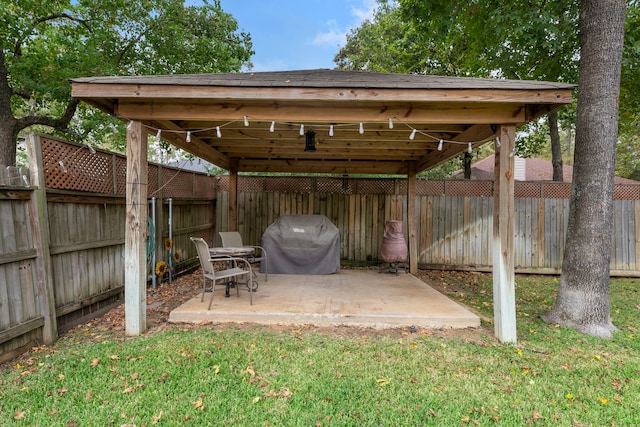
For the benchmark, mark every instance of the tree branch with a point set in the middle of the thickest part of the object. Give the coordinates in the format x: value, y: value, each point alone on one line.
x: 61, y: 123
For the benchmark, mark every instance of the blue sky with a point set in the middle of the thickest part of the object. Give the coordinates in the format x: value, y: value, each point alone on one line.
x: 297, y: 34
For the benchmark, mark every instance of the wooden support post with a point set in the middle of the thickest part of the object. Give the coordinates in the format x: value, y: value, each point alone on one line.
x: 135, y: 265
x: 233, y: 197
x: 38, y: 212
x: 504, y: 300
x: 412, y: 225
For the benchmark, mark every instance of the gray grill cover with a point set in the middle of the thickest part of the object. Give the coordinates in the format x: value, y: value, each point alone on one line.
x: 302, y: 244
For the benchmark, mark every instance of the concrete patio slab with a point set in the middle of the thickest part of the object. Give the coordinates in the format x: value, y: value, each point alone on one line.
x: 364, y: 298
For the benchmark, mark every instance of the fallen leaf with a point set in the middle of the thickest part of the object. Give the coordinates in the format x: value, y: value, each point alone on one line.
x: 382, y: 382
x: 256, y: 400
x: 94, y: 362
x: 199, y: 404
x: 114, y: 357
x: 19, y: 415
x: 603, y: 400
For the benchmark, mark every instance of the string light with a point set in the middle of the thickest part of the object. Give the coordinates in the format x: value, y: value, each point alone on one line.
x: 62, y: 166
x: 470, y: 149
x: 91, y: 149
x: 391, y: 125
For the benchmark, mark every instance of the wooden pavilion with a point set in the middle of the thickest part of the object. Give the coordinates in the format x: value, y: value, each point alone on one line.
x: 323, y: 121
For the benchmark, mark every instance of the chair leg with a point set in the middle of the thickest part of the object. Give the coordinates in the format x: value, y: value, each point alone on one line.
x: 211, y: 299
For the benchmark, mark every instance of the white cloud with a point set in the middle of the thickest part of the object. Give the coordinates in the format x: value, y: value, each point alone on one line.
x: 338, y: 36
x: 334, y: 36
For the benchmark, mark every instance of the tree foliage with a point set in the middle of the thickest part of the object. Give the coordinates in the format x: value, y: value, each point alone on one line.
x: 513, y: 39
x: 43, y: 44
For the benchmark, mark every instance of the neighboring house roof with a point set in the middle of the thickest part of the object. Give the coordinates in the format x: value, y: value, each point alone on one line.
x: 194, y: 165
x: 530, y: 169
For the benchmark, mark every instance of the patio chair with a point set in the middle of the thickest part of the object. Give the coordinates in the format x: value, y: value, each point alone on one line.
x: 231, y: 273
x: 232, y: 239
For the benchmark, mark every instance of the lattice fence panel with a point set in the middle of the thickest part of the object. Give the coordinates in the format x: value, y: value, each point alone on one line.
x: 74, y: 167
x: 251, y: 184
x: 289, y: 184
x: 527, y: 189
x: 204, y: 187
x: 121, y: 175
x: 627, y: 192
x: 335, y: 185
x: 429, y: 187
x: 556, y: 190
x: 470, y: 188
x: 376, y: 186
x: 153, y: 173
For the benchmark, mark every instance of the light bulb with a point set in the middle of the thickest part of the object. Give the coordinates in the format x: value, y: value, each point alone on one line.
x: 188, y: 136
x: 246, y: 121
x: 91, y: 149
x: 159, y: 133
x: 361, y: 130
x: 218, y: 132
x: 331, y: 130
x: 272, y: 127
x: 498, y: 141
x: 301, y: 129
x: 440, y: 145
x: 390, y: 123
x: 62, y: 166
x: 469, y: 148
x: 413, y: 134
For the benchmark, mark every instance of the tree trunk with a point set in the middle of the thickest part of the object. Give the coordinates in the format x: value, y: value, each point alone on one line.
x: 8, y: 125
x: 556, y: 149
x: 583, y: 295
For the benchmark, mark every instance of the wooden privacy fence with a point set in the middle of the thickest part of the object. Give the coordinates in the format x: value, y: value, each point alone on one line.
x: 62, y: 236
x: 455, y: 218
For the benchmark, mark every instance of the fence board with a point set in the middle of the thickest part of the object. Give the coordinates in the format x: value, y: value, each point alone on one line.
x: 453, y: 230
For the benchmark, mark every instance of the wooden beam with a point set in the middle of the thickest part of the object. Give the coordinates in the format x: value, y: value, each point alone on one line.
x: 446, y: 113
x: 323, y: 166
x: 472, y: 134
x: 504, y: 300
x: 196, y: 146
x: 39, y: 218
x: 135, y: 265
x: 233, y: 196
x: 412, y: 222
x: 224, y: 93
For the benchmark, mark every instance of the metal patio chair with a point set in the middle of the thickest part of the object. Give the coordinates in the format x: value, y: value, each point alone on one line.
x: 232, y: 239
x: 231, y: 273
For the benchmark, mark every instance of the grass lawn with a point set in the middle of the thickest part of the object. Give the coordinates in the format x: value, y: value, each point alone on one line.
x: 306, y: 376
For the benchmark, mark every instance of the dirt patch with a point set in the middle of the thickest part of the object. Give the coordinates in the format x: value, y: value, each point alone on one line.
x: 167, y: 296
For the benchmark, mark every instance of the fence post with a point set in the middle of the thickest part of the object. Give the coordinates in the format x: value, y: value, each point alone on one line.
x: 40, y: 229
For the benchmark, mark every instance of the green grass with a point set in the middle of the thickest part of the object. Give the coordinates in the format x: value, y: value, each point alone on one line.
x: 307, y: 377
